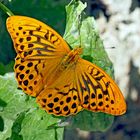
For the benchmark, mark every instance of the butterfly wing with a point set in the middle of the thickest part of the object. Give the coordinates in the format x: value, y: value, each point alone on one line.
x: 98, y: 91
x: 34, y: 39
x: 39, y: 49
x: 62, y: 97
x: 82, y: 86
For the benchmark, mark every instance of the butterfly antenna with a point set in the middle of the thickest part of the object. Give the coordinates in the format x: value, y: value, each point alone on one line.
x: 79, y: 29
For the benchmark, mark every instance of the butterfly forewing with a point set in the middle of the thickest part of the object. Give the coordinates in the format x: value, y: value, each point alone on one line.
x: 39, y: 52
x: 98, y: 91
x: 35, y: 40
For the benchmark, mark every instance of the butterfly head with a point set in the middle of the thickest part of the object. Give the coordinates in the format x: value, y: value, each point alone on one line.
x: 77, y: 50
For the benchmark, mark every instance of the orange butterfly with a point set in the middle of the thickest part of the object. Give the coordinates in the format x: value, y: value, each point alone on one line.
x: 62, y: 82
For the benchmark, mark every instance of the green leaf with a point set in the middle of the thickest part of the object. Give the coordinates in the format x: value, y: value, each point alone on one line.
x: 40, y: 120
x: 90, y: 121
x: 73, y: 22
x: 21, y: 117
x: 82, y: 31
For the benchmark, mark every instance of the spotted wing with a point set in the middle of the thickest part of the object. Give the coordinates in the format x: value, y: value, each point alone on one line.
x: 39, y: 49
x: 97, y: 91
x: 34, y: 39
x: 82, y: 86
x: 33, y: 75
x: 62, y: 97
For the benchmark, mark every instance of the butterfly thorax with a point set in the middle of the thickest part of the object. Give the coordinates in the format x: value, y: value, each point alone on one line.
x: 67, y: 62
x: 72, y: 57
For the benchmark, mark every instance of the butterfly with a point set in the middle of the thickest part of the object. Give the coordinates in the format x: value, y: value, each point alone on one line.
x: 62, y: 82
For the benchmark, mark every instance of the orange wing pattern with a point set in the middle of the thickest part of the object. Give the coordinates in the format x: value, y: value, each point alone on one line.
x: 99, y: 92
x: 34, y: 40
x: 82, y: 86
x: 61, y: 81
x: 39, y: 51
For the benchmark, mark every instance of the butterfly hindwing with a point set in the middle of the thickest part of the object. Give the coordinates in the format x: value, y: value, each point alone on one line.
x: 29, y: 76
x: 61, y: 98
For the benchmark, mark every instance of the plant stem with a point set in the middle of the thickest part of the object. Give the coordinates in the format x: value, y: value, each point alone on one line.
x: 6, y: 10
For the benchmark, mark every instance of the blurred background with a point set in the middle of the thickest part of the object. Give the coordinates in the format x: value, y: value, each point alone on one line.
x: 119, y: 27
